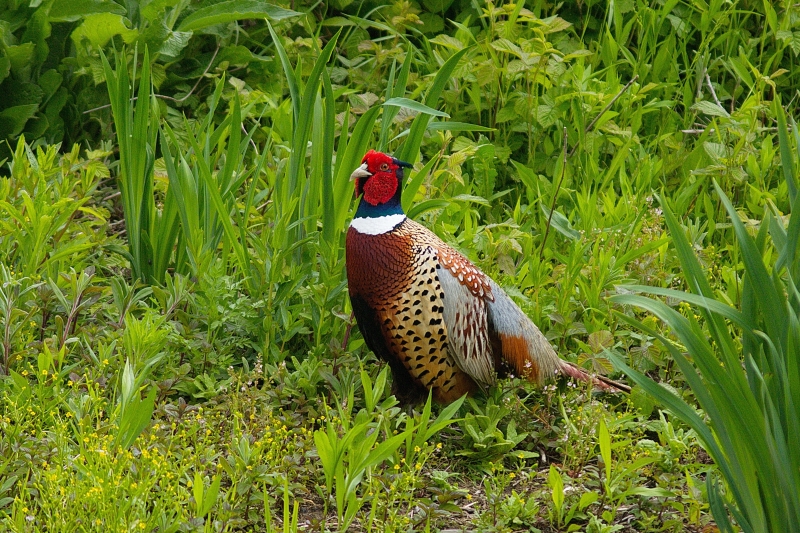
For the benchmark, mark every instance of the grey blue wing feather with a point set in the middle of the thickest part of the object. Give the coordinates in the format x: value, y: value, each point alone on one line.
x: 465, y: 316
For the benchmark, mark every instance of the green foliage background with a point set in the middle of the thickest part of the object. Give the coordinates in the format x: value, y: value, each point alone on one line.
x: 175, y: 325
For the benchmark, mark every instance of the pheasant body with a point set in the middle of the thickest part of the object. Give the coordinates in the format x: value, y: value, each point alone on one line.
x: 440, y: 323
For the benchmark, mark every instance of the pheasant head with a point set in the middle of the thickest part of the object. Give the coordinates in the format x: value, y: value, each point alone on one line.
x: 379, y: 180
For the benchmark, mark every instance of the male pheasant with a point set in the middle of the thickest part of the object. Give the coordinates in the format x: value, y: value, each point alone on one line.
x: 441, y: 324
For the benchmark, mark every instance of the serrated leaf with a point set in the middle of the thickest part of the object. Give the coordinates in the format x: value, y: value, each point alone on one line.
x: 556, y: 24
x: 643, y: 401
x: 448, y: 42
x: 16, y: 93
x: 716, y: 151
x: 599, y: 340
x: 504, y: 45
x: 710, y: 108
x: 175, y: 43
x: 50, y: 81
x: 506, y: 114
x: 154, y: 9
x: 546, y: 115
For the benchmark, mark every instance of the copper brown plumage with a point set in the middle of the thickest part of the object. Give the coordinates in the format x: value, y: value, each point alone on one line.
x: 441, y: 324
x: 396, y: 276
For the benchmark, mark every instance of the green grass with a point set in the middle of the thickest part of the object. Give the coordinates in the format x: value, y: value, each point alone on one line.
x: 178, y: 352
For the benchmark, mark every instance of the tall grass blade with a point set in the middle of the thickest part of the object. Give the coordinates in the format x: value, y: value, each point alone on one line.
x: 410, y: 147
x: 787, y: 161
x: 747, y: 387
x: 349, y: 153
x: 394, y: 89
x: 137, y: 129
x: 329, y: 207
x: 303, y: 113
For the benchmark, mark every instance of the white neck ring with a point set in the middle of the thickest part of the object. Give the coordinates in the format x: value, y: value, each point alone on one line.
x: 377, y: 225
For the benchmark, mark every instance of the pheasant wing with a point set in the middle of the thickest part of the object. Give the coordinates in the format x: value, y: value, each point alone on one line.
x: 465, y: 290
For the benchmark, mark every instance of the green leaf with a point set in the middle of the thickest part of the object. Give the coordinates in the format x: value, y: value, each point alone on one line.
x: 50, y: 81
x: 649, y: 492
x: 505, y: 45
x: 740, y: 67
x: 410, y: 148
x: 291, y: 79
x: 413, y: 185
x: 457, y: 126
x: 787, y: 161
x: 710, y: 108
x: 17, y: 93
x: 326, y: 130
x: 604, y: 440
x: 338, y: 22
x: 21, y: 57
x: 5, y: 67
x: 210, y: 496
x: 427, y: 205
x: 99, y: 29
x: 446, y: 417
x: 394, y: 89
x: 414, y: 106
x: 556, y: 487
x: 635, y: 253
x: 562, y: 224
x: 587, y: 499
x: 72, y: 10
x: 231, y: 10
x: 13, y: 119
x: 135, y: 416
x: 349, y: 154
x: 175, y: 42
x: 198, y: 488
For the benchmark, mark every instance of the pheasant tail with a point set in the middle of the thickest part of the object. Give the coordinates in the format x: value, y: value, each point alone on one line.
x: 526, y: 352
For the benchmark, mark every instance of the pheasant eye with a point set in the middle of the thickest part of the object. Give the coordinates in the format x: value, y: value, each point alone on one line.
x: 384, y: 167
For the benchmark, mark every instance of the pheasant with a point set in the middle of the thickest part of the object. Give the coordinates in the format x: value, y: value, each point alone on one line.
x: 440, y: 323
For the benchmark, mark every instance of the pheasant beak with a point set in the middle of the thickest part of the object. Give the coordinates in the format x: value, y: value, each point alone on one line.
x: 360, y: 172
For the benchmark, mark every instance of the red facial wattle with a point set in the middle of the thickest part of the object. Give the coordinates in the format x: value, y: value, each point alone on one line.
x: 382, y: 185
x: 380, y: 188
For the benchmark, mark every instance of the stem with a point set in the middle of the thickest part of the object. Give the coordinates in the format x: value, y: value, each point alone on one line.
x: 555, y: 194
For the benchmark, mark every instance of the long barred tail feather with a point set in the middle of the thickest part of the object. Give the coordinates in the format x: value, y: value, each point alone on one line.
x: 600, y: 382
